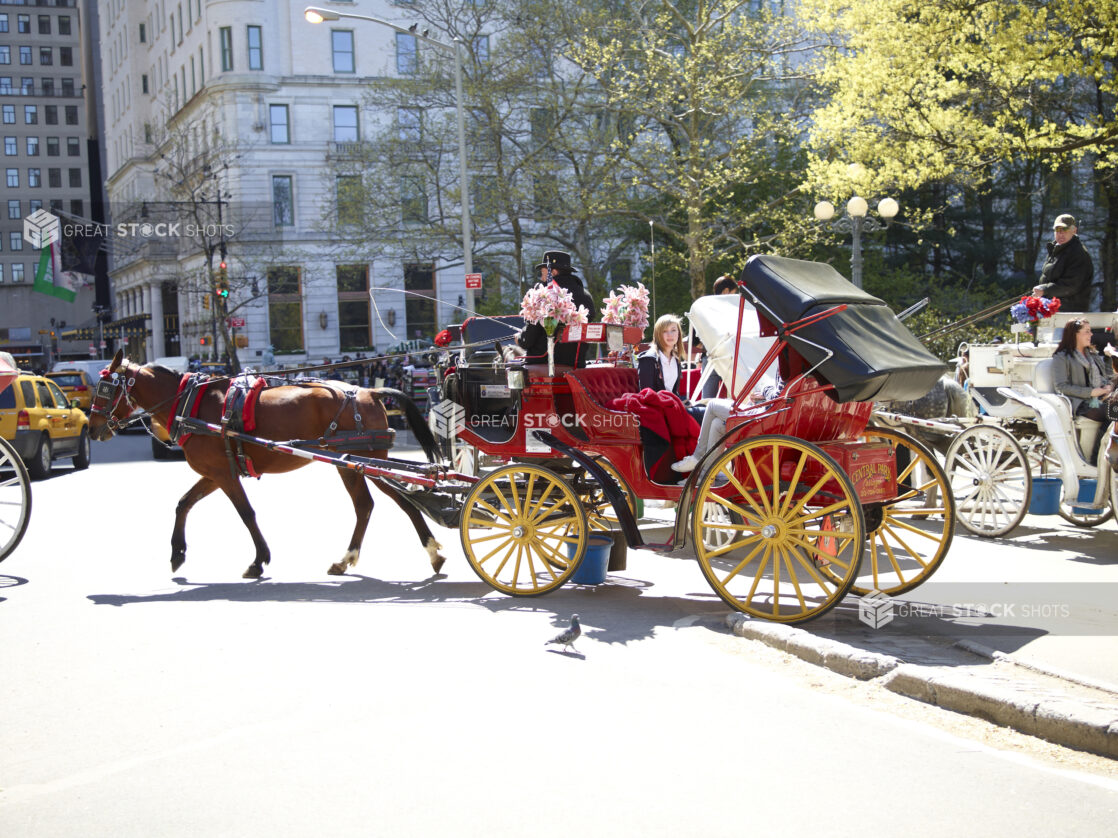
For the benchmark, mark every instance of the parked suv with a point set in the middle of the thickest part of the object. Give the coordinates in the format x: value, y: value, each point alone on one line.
x: 43, y: 425
x: 76, y: 384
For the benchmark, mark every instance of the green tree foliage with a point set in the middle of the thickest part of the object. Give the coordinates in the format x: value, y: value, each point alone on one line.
x: 963, y: 92
x: 710, y: 90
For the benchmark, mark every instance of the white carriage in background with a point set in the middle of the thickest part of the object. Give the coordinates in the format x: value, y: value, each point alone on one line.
x: 1025, y: 451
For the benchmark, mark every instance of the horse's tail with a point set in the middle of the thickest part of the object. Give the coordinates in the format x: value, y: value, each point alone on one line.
x: 416, y: 422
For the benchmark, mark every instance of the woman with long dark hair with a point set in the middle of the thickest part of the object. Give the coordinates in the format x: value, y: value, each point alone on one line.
x: 1079, y: 373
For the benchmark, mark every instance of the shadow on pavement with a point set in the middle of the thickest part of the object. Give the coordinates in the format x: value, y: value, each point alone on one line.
x: 619, y: 611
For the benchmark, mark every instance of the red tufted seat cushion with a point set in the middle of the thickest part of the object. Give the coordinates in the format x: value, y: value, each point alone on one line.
x: 604, y: 384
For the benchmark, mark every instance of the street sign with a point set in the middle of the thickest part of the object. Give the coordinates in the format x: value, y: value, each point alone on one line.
x: 473, y: 280
x: 92, y: 351
x: 236, y: 322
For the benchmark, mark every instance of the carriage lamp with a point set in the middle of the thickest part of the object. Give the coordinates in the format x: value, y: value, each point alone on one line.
x: 322, y: 321
x: 857, y: 219
x: 516, y: 378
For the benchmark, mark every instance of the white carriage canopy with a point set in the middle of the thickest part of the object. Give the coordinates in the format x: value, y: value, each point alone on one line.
x: 715, y: 321
x: 875, y: 358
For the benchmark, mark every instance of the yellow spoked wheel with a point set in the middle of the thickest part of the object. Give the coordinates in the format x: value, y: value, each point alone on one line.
x: 791, y: 541
x: 599, y: 511
x: 909, y: 536
x: 523, y: 530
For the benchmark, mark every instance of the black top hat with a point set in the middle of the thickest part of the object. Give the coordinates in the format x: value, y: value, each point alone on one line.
x: 557, y: 260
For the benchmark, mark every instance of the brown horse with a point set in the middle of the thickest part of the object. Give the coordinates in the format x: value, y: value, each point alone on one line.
x: 300, y: 411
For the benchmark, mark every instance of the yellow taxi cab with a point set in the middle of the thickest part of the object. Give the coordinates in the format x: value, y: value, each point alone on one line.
x: 43, y: 425
x: 76, y: 384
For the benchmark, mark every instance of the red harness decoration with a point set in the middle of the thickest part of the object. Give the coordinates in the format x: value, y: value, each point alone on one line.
x: 195, y: 401
x: 251, y: 397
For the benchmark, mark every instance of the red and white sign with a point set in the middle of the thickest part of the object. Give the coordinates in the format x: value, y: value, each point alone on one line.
x: 236, y: 322
x: 473, y: 280
x: 92, y: 351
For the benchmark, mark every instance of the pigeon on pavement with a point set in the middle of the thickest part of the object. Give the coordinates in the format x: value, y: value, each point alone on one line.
x: 568, y: 636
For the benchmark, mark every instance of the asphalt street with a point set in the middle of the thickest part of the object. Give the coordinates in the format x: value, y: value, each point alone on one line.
x: 393, y: 702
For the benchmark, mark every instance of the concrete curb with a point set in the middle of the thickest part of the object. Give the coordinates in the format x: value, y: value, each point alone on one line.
x: 1047, y: 714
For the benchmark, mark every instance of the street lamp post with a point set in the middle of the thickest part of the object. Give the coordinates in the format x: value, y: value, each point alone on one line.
x: 854, y: 222
x: 315, y: 14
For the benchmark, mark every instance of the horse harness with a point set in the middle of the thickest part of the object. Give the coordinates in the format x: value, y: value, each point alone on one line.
x: 239, y: 415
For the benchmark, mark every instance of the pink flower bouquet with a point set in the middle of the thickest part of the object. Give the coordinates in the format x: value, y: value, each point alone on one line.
x: 551, y: 307
x: 628, y: 306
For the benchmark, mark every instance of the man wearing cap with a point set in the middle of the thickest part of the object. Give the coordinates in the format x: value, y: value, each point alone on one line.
x: 1068, y: 270
x: 556, y: 266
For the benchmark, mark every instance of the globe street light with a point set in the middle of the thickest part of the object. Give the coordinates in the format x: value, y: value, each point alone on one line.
x: 854, y: 222
x: 315, y: 14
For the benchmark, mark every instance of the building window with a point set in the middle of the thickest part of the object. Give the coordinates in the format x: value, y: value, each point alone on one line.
x: 30, y: 114
x: 5, y: 84
x: 76, y: 178
x: 341, y: 41
x: 15, y: 241
x: 283, y: 201
x: 73, y: 147
x: 23, y: 24
x: 285, y: 310
x: 34, y: 179
x: 413, y: 198
x: 27, y: 85
x: 349, y: 199
x: 25, y: 55
x: 67, y: 87
x: 13, y: 208
x: 54, y: 177
x: 50, y: 114
x: 1, y: 263
x: 13, y: 178
x: 420, y: 307
x: 71, y: 114
x: 64, y: 25
x: 143, y: 31
x: 255, y: 49
x: 226, y: 33
x: 32, y: 146
x: 76, y: 208
x: 144, y: 83
x: 48, y: 87
x: 36, y: 205
x: 66, y: 56
x: 481, y: 49
x: 280, y: 127
x: 3, y: 23
x: 17, y: 272
x: 5, y: 56
x: 46, y: 57
x: 406, y: 58
x: 44, y: 24
x: 11, y: 146
x: 353, y: 308
x: 9, y: 114
x: 345, y: 124
x: 410, y: 124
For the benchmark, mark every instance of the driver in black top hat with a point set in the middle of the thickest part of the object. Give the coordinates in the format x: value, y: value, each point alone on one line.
x: 556, y: 267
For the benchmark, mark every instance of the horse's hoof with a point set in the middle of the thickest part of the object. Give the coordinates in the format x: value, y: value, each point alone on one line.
x: 177, y: 561
x: 338, y: 569
x: 437, y: 562
x: 253, y: 572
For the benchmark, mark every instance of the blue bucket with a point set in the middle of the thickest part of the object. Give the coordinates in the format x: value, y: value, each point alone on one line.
x: 1086, y: 495
x: 1046, y: 496
x: 592, y: 568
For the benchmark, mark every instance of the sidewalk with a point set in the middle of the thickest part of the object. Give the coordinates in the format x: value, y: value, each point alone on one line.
x: 959, y: 673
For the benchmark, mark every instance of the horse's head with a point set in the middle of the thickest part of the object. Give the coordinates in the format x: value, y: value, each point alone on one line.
x: 112, y: 403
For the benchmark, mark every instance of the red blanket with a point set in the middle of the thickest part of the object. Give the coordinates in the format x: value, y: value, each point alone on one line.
x: 662, y: 413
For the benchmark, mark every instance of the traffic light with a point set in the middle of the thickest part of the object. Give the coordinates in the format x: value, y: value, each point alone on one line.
x: 204, y: 341
x: 206, y: 302
x: 223, y: 280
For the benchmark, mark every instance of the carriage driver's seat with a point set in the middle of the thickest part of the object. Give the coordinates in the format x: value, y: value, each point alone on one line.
x: 1086, y: 430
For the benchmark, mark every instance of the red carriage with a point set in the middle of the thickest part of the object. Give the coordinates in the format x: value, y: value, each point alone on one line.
x: 795, y: 505
x: 798, y: 502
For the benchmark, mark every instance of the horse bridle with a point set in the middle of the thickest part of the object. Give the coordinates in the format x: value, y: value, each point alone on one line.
x: 111, y: 390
